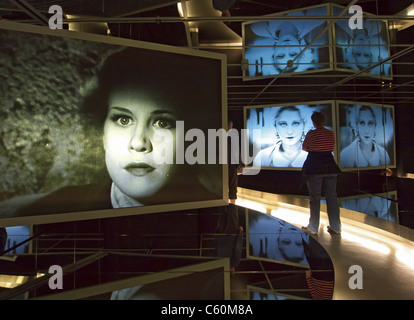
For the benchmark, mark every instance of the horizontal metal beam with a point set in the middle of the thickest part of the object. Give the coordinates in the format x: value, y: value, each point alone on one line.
x: 226, y: 19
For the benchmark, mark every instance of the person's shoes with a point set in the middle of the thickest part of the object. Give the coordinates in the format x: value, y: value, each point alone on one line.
x: 309, y: 232
x: 331, y: 231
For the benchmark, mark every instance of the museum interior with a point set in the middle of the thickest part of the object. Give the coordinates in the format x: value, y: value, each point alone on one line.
x: 345, y: 57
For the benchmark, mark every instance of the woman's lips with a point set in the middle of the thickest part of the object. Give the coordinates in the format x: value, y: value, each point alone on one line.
x: 139, y: 169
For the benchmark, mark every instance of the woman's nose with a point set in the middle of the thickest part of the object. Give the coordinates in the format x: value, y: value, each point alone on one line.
x: 139, y: 140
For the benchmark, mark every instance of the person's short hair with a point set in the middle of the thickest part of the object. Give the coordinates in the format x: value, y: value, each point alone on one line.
x: 318, y: 119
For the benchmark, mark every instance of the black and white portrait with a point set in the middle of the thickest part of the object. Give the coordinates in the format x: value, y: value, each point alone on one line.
x: 96, y: 121
x: 282, y: 131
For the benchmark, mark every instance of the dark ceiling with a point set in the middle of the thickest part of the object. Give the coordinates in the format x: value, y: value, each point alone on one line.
x: 159, y: 21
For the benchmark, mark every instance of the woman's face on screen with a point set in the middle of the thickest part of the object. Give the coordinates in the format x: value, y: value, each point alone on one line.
x: 361, y: 51
x: 366, y: 126
x: 290, y: 244
x: 287, y: 46
x: 289, y: 125
x: 139, y: 141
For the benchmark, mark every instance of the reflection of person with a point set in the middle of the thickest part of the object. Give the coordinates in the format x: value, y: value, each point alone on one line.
x: 224, y: 6
x: 229, y: 236
x: 3, y: 239
x: 232, y: 167
x: 287, y: 151
x: 321, y: 173
x: 364, y: 151
x: 285, y: 40
x: 137, y: 103
x: 362, y: 48
x: 320, y: 278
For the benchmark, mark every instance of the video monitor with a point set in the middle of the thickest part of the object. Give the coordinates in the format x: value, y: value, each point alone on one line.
x: 383, y: 205
x: 358, y: 49
x: 286, y: 46
x: 366, y: 136
x: 96, y: 126
x: 272, y: 239
x: 275, y: 133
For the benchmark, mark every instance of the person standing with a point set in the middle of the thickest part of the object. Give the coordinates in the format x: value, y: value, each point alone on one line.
x: 321, y: 173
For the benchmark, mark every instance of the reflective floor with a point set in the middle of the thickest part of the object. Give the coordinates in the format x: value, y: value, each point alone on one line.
x: 139, y: 257
x: 369, y: 262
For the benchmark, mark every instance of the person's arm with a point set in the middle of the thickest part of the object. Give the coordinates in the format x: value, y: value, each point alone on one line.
x: 306, y: 142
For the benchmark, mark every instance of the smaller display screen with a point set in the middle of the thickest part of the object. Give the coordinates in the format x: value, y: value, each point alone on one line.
x: 366, y: 136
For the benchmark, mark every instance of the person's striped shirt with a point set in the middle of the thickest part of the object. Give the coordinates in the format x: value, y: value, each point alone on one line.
x: 319, y: 139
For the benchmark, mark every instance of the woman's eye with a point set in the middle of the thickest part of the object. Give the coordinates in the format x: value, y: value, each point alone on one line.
x: 285, y: 241
x: 296, y: 124
x: 163, y: 124
x: 282, y: 124
x: 123, y: 121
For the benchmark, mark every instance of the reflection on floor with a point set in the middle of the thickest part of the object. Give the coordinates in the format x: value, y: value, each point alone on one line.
x: 146, y: 252
x: 370, y: 262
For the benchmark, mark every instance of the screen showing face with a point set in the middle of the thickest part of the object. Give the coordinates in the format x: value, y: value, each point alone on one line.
x: 282, y: 130
x: 278, y: 46
x: 366, y: 136
x: 358, y: 49
x: 271, y: 238
x: 104, y: 123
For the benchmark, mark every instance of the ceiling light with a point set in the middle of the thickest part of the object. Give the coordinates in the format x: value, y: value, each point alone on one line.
x: 180, y: 9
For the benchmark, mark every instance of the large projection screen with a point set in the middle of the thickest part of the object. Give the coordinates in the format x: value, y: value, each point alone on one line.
x: 366, y: 136
x: 285, y: 46
x: 276, y: 133
x: 359, y: 49
x: 95, y: 126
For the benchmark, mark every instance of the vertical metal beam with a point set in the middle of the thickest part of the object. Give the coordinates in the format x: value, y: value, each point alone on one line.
x: 186, y: 24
